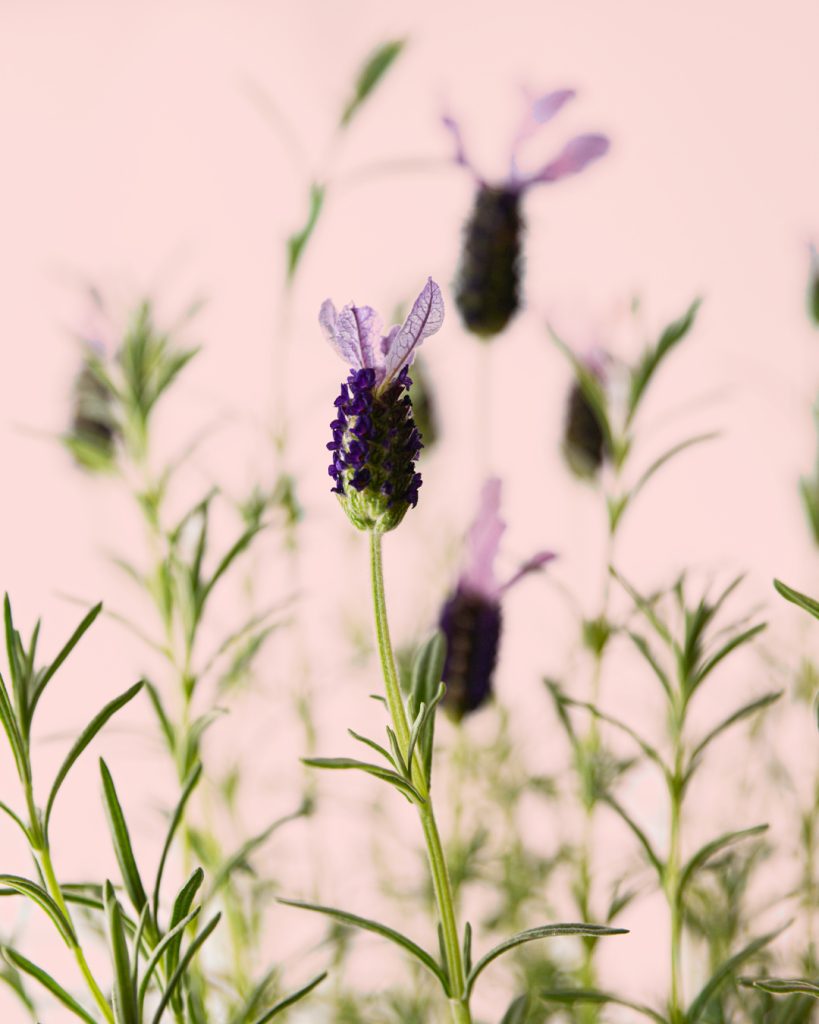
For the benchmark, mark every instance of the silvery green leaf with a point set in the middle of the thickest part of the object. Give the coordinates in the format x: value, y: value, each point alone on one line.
x: 288, y: 1001
x: 571, y: 996
x: 379, y: 929
x: 787, y: 986
x: 187, y: 788
x: 125, y: 1004
x: 122, y: 842
x: 20, y: 963
x: 46, y: 676
x: 175, y: 980
x: 82, y: 741
x: 530, y: 935
x: 653, y: 356
x: 37, y: 894
x: 706, y: 852
x: 518, y: 1012
x: 376, y: 770
x: 729, y: 967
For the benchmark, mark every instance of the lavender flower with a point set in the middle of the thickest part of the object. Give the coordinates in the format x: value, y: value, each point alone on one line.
x: 487, y: 288
x: 375, y: 440
x: 584, y: 442
x: 94, y: 431
x: 471, y: 618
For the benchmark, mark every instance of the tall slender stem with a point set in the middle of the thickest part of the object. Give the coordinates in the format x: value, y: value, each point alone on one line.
x: 672, y: 881
x: 459, y: 1007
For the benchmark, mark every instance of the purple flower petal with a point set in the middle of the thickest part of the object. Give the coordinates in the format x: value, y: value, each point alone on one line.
x: 531, y: 565
x: 543, y: 108
x: 345, y: 345
x: 358, y: 330
x: 482, y: 544
x: 425, y: 318
x: 454, y: 130
x: 577, y: 154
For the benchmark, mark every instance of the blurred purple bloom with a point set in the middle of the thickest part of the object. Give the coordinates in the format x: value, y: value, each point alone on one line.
x: 471, y: 618
x: 575, y: 156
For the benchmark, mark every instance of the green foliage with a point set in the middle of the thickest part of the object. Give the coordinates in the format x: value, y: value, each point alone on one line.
x: 370, y: 75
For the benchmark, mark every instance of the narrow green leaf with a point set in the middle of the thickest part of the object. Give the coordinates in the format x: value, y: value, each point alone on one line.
x: 181, y: 908
x: 372, y: 71
x: 642, y: 646
x: 18, y: 746
x: 37, y: 894
x: 122, y: 842
x: 642, y: 838
x: 125, y: 1006
x: 427, y: 673
x: 571, y: 996
x: 738, y: 641
x: 16, y: 819
x: 651, y: 359
x: 626, y: 499
x: 737, y: 716
x: 16, y: 658
x: 227, y: 560
x: 85, y: 737
x: 420, y: 734
x: 67, y: 648
x: 385, y: 774
x: 187, y: 788
x: 297, y: 242
x: 729, y: 967
x: 706, y: 852
x: 645, y: 607
x: 373, y: 746
x: 239, y: 858
x: 379, y: 929
x: 651, y: 752
x: 177, y: 976
x: 530, y: 935
x: 787, y: 986
x: 288, y: 1001
x: 797, y: 598
x: 165, y: 724
x: 173, y: 935
x: 518, y: 1011
x: 20, y: 963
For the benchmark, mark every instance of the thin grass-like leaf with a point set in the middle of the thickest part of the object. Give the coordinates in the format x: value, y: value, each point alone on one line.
x: 290, y: 1000
x: 187, y: 788
x: 122, y: 842
x: 172, y: 935
x: 372, y: 72
x: 82, y: 741
x: 379, y: 929
x: 797, y: 598
x: 376, y: 770
x: 572, y: 996
x: 297, y: 242
x: 695, y: 1011
x: 240, y: 857
x: 531, y: 935
x: 20, y: 963
x: 642, y: 838
x: 37, y: 894
x: 706, y: 852
x: 67, y: 648
x: 653, y: 357
x: 125, y: 1005
x: 787, y: 986
x: 177, y: 976
x: 737, y: 716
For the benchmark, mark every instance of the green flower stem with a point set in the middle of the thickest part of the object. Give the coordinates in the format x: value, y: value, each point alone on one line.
x: 56, y: 894
x: 459, y: 1007
x: 672, y: 881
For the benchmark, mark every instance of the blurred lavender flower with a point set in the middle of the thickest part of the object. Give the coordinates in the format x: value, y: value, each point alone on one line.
x: 813, y: 287
x: 94, y: 430
x: 471, y: 618
x: 584, y: 441
x: 375, y: 440
x: 487, y: 288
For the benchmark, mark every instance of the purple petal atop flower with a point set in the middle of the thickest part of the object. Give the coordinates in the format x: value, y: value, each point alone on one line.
x: 545, y: 107
x: 577, y: 154
x: 425, y: 318
x: 482, y: 544
x: 454, y: 129
x: 345, y: 345
x: 531, y: 565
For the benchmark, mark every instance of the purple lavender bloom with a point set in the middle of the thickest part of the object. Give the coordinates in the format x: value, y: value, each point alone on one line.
x: 375, y: 440
x: 585, y: 447
x: 487, y: 287
x: 471, y: 618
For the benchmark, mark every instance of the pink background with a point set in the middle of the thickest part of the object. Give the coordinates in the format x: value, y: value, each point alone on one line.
x: 149, y: 147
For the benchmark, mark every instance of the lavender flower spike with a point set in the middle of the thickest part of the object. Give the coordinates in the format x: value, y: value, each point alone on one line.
x: 471, y: 618
x: 487, y: 288
x: 375, y: 440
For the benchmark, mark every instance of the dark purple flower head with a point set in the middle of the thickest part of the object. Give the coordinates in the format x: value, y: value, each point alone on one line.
x: 471, y: 618
x: 375, y: 440
x: 584, y: 442
x: 487, y: 288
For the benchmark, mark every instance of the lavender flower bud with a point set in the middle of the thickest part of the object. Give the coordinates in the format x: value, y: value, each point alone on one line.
x: 375, y: 444
x: 94, y: 429
x: 487, y: 289
x: 471, y: 624
x: 584, y: 445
